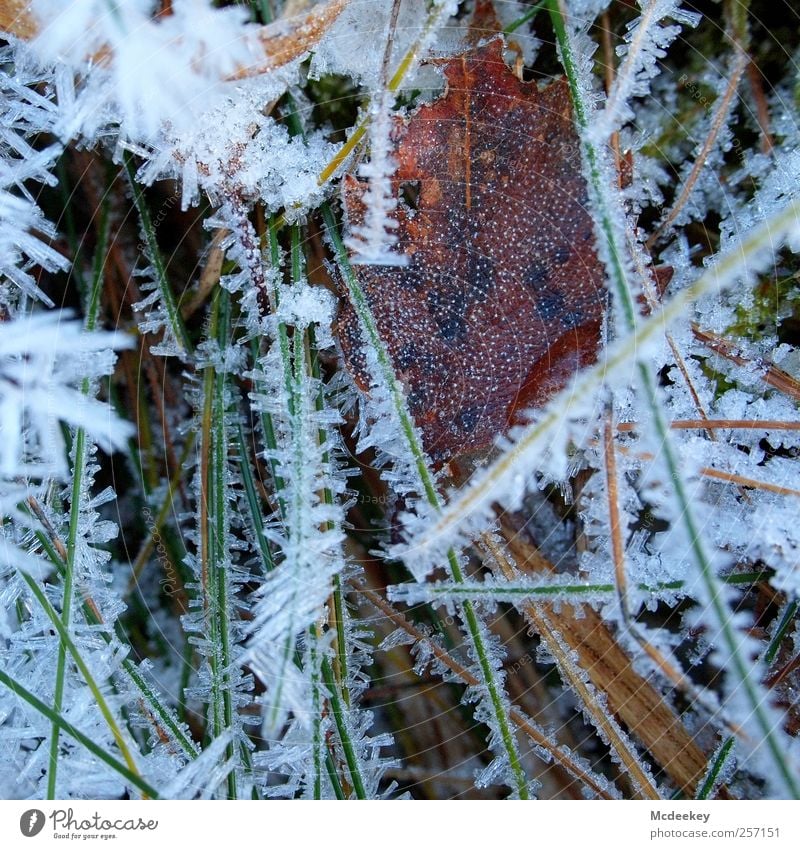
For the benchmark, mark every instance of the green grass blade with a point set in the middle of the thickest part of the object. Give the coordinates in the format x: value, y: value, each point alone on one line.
x: 176, y: 326
x: 70, y: 646
x: 429, y: 491
x: 68, y: 728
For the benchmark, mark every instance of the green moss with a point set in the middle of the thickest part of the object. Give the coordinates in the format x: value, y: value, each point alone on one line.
x: 336, y: 102
x: 775, y: 298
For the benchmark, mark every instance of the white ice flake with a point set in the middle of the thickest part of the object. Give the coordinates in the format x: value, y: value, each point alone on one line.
x: 42, y: 359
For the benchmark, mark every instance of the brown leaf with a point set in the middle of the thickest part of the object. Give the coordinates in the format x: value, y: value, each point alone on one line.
x: 631, y: 698
x: 287, y: 39
x: 16, y: 18
x: 281, y: 41
x: 503, y: 296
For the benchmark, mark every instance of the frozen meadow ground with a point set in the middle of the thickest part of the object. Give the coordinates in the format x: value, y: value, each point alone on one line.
x: 231, y: 568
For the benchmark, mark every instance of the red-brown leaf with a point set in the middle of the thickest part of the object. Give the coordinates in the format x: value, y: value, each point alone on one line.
x: 503, y: 296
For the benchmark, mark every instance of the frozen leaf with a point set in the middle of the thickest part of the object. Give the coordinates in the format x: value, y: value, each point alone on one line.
x: 502, y: 297
x: 286, y: 40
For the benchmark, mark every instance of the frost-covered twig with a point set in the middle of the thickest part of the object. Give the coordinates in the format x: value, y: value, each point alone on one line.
x: 371, y: 243
x: 721, y: 114
x: 538, y: 736
x: 440, y: 11
x: 645, y: 44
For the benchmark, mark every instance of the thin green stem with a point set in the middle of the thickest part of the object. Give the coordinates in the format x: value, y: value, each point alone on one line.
x: 428, y: 490
x: 333, y: 776
x: 523, y: 19
x: 76, y: 500
x: 214, y: 446
x: 615, y: 266
x: 317, y: 742
x: 517, y: 593
x: 68, y: 728
x: 267, y: 425
x: 344, y: 732
x: 254, y: 504
x: 177, y: 329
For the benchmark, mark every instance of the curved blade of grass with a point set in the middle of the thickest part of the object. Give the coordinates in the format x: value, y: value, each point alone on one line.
x: 625, y: 291
x: 69, y: 645
x: 427, y: 489
x: 523, y: 19
x: 68, y: 728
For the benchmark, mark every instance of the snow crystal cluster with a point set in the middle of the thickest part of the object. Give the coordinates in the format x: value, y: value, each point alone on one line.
x: 246, y: 562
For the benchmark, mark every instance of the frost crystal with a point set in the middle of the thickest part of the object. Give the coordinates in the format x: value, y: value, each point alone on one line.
x: 328, y: 609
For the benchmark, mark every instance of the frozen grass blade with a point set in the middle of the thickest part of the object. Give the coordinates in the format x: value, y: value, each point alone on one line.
x: 311, y: 487
x: 339, y: 712
x: 715, y: 769
x: 427, y: 489
x: 76, y: 502
x: 523, y: 19
x: 254, y: 505
x: 788, y: 617
x: 68, y: 728
x: 163, y: 717
x: 293, y: 503
x: 175, y: 326
x: 214, y: 532
x: 612, y: 251
x: 317, y: 702
x: 515, y: 591
x: 67, y: 642
x: 538, y: 736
